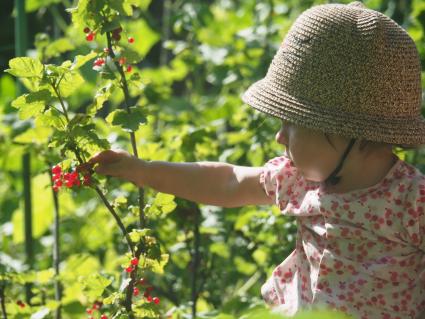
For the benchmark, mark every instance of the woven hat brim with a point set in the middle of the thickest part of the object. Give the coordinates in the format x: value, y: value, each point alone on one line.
x: 263, y: 96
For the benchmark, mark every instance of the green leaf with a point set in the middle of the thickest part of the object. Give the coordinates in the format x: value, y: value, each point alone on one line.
x: 94, y: 284
x: 25, y: 67
x: 32, y: 104
x: 70, y: 82
x: 51, y: 118
x: 80, y: 60
x: 59, y: 46
x: 162, y: 204
x: 128, y: 121
x: 102, y: 95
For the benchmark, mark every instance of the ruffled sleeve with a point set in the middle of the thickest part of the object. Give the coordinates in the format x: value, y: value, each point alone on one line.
x: 282, y: 183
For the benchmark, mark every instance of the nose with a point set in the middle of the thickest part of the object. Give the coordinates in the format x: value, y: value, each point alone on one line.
x: 281, y: 136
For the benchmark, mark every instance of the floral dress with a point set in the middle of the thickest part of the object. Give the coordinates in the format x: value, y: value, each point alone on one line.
x: 358, y: 252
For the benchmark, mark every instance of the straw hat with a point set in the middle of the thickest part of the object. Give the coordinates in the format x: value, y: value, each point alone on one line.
x: 347, y: 70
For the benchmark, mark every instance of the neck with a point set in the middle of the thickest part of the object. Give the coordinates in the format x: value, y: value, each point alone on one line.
x: 361, y: 172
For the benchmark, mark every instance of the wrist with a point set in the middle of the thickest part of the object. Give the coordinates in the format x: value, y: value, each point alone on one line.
x: 136, y: 171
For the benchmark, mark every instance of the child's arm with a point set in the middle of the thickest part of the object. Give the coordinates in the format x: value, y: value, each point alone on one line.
x: 211, y: 183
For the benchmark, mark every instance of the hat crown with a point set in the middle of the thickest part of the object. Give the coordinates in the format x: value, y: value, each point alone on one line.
x: 348, y: 70
x: 352, y: 59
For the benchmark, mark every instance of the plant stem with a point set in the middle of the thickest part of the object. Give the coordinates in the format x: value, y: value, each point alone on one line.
x: 195, y: 259
x: 3, y: 307
x: 104, y: 199
x: 124, y: 86
x: 56, y: 244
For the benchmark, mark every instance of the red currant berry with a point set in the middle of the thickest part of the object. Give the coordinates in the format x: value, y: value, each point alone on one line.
x: 121, y: 60
x: 134, y: 261
x: 90, y: 36
x: 135, y: 291
x: 56, y: 188
x: 142, y: 281
x: 89, y: 311
x: 156, y: 300
x: 103, y: 317
x: 130, y: 40
x: 129, y: 68
x: 69, y: 183
x: 149, y: 298
x: 58, y: 183
x: 86, y: 30
x: 73, y: 175
x: 129, y: 269
x: 56, y: 169
x: 56, y: 177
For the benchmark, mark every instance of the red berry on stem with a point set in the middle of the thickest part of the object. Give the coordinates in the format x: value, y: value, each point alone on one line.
x: 103, y: 317
x: 129, y: 269
x: 121, y: 60
x: 56, y: 169
x: 156, y: 300
x: 149, y: 298
x: 135, y: 291
x: 90, y: 36
x: 134, y: 261
x: 56, y: 188
x: 130, y: 40
x: 142, y: 281
x: 89, y: 311
x: 58, y: 183
x: 129, y: 68
x: 86, y: 30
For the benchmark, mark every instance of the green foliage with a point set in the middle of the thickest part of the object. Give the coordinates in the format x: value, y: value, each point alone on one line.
x: 190, y: 110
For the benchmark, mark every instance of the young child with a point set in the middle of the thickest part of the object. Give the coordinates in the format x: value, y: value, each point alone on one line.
x: 346, y: 85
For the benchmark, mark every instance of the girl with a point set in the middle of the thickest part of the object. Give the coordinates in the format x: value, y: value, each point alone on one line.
x: 346, y: 84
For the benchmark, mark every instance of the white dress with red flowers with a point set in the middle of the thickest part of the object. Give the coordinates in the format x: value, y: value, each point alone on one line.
x: 359, y: 252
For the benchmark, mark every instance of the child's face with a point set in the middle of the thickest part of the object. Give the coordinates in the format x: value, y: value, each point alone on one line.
x: 311, y: 153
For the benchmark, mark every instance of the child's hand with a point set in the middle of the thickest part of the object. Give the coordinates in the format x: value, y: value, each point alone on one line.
x: 116, y: 163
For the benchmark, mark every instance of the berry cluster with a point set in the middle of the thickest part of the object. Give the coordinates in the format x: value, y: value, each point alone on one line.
x: 96, y: 306
x: 133, y: 264
x: 20, y: 303
x: 89, y: 34
x: 69, y: 179
x: 147, y: 293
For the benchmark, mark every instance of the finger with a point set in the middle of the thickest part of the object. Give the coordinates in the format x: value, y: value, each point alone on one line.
x: 85, y: 167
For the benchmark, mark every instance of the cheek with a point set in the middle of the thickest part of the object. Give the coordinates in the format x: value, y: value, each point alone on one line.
x: 310, y: 160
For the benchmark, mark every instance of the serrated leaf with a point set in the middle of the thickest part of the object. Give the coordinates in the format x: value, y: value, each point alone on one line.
x: 128, y: 121
x: 32, y: 104
x: 51, y: 118
x: 94, y: 284
x: 70, y: 82
x: 102, y: 95
x: 25, y: 67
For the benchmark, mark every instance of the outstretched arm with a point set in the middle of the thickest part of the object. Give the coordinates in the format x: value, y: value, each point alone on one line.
x: 212, y: 183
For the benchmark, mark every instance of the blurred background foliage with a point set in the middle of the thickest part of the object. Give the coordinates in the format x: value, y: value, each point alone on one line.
x: 199, y: 56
